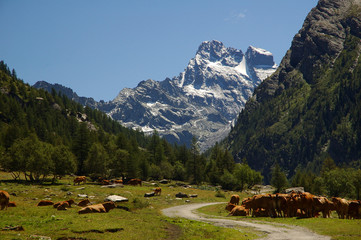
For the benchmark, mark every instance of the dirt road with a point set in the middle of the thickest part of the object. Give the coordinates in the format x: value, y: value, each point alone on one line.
x: 274, y: 231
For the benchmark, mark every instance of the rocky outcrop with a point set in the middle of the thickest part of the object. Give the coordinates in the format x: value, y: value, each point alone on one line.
x: 318, y: 43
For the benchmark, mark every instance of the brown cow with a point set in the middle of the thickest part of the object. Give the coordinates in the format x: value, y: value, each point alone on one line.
x: 98, y: 208
x: 261, y: 201
x: 117, y: 181
x: 322, y: 204
x: 157, y: 191
x: 230, y: 206
x: 4, y: 199
x: 234, y: 199
x: 11, y: 204
x: 341, y: 206
x: 239, y: 211
x: 306, y: 203
x: 80, y: 179
x: 45, y: 203
x: 65, y: 204
x: 135, y: 182
x: 280, y: 204
x: 105, y: 182
x: 83, y: 203
x: 354, y: 209
x: 260, y: 212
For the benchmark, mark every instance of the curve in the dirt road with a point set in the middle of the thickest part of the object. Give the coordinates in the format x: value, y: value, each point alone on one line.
x: 281, y: 232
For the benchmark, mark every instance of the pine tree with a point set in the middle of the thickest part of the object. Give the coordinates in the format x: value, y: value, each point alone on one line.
x: 81, y: 146
x: 278, y: 180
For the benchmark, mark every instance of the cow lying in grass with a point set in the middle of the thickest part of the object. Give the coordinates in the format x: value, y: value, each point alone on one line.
x: 64, y: 204
x: 98, y: 208
x: 237, y: 210
x: 45, y: 203
x: 83, y: 203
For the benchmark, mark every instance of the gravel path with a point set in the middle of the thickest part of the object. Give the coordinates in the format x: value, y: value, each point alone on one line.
x: 274, y: 231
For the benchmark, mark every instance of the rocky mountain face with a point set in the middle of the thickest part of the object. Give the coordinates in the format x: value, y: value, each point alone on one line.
x: 317, y: 44
x: 307, y: 110
x: 203, y: 101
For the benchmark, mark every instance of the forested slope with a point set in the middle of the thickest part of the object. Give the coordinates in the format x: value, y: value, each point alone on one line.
x: 310, y: 109
x: 45, y: 135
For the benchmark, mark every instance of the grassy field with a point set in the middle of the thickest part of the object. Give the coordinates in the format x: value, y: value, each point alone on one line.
x: 341, y: 229
x: 142, y: 221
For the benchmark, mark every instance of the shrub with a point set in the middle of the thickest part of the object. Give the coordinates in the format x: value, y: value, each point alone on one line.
x: 220, y: 194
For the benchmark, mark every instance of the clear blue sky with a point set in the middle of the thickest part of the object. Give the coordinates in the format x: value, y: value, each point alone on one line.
x: 99, y: 47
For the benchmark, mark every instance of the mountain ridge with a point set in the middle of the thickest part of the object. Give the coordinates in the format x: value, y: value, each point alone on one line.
x: 203, y: 100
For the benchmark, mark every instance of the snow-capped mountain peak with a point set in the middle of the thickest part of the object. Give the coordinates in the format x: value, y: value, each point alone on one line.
x: 202, y: 101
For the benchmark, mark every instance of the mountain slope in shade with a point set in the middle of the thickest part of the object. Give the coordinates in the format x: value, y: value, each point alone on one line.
x: 309, y: 109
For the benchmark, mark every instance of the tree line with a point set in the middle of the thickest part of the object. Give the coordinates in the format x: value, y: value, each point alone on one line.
x: 333, y: 180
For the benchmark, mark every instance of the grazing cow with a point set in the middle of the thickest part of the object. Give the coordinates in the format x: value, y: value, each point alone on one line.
x: 83, y: 203
x: 157, y: 191
x: 261, y: 201
x: 80, y: 179
x: 354, y: 209
x: 293, y: 203
x: 322, y: 204
x: 234, y: 199
x: 280, y: 204
x: 11, y: 204
x: 45, y: 203
x: 98, y: 208
x: 341, y: 206
x: 306, y: 203
x: 135, y: 182
x: 239, y: 211
x: 4, y: 199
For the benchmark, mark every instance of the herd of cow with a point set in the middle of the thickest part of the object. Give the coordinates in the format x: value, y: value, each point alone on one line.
x: 293, y: 205
x: 265, y: 205
x: 64, y: 205
x: 103, y: 181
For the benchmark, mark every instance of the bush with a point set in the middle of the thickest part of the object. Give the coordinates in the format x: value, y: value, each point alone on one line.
x: 139, y: 203
x: 220, y: 194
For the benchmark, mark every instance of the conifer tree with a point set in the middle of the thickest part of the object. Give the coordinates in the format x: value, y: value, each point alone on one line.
x: 278, y: 180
